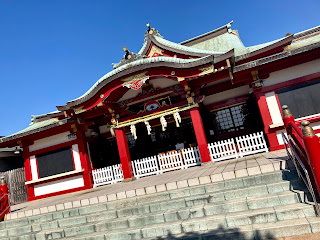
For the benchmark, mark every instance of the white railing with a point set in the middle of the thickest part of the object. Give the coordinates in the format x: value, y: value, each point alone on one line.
x: 252, y: 143
x: 242, y: 146
x: 191, y: 156
x: 145, y: 166
x: 166, y: 162
x: 223, y: 150
x: 107, y: 175
x: 170, y: 161
x: 174, y: 160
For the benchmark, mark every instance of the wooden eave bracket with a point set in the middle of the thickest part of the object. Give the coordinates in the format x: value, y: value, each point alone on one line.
x: 230, y: 70
x: 255, y: 75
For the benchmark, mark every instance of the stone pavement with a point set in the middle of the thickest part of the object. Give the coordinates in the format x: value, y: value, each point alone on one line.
x: 218, y: 171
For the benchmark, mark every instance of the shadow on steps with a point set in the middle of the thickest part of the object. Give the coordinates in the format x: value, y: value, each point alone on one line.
x: 221, y: 233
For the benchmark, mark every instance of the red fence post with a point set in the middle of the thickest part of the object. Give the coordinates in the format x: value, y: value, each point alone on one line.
x: 312, y: 146
x: 287, y: 117
x: 4, y: 201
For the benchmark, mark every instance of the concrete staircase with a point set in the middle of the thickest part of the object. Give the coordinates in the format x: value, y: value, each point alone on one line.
x: 264, y: 206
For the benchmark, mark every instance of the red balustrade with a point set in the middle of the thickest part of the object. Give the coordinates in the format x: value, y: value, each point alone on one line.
x: 306, y: 145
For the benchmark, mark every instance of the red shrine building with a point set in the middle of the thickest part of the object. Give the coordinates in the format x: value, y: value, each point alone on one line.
x: 172, y: 96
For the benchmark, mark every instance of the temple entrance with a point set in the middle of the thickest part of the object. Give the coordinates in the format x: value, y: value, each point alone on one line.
x: 161, y: 141
x: 104, y: 152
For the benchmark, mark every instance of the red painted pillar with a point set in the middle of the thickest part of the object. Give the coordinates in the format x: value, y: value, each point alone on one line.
x: 124, y: 153
x: 267, y: 121
x: 200, y: 135
x: 312, y: 146
x: 27, y: 169
x: 85, y: 160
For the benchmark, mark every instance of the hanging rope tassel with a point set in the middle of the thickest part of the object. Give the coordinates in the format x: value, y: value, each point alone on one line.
x: 148, y: 127
x: 133, y: 131
x: 177, y: 118
x: 112, y: 132
x: 163, y: 123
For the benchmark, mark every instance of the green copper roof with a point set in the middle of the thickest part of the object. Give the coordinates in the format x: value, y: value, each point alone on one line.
x: 34, y: 128
x: 175, y: 46
x: 185, y: 48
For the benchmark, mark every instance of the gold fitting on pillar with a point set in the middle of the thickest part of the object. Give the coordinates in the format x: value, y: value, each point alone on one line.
x: 307, y: 131
x: 286, y: 112
x: 2, y: 180
x: 74, y: 128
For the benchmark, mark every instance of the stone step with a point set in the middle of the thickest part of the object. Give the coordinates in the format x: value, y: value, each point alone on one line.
x: 249, y: 221
x: 239, y: 184
x: 287, y: 228
x: 92, y: 223
x: 216, y: 186
x: 92, y: 213
x: 221, y: 200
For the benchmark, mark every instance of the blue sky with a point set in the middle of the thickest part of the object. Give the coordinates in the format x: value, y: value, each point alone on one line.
x: 54, y: 51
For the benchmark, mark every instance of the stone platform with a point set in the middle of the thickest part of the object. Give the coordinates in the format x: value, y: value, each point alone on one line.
x: 194, y: 176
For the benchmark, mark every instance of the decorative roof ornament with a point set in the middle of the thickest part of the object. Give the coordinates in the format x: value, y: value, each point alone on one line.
x: 127, y: 58
x: 152, y: 31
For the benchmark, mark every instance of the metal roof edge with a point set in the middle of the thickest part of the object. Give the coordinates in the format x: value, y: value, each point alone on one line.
x: 228, y: 26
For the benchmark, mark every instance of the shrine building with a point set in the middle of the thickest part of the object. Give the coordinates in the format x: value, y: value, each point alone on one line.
x: 170, y: 98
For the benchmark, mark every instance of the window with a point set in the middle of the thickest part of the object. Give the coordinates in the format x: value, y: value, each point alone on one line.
x: 303, y: 99
x: 230, y: 119
x: 55, y: 162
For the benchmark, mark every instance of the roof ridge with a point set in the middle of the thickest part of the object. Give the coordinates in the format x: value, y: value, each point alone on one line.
x: 185, y: 48
x: 228, y: 26
x: 306, y: 32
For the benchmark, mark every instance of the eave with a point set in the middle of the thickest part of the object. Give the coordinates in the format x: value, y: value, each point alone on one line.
x: 29, y: 134
x: 143, y: 65
x: 274, y: 48
x: 277, y: 62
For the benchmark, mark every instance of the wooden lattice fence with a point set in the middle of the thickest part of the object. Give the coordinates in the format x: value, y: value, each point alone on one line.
x: 16, y: 179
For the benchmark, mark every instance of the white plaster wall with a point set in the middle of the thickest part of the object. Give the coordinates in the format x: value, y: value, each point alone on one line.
x: 59, y: 185
x: 222, y: 96
x: 273, y: 107
x: 50, y: 141
x: 34, y: 168
x: 279, y: 136
x: 293, y: 72
x: 76, y: 157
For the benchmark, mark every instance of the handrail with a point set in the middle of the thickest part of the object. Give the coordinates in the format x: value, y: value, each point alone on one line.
x: 9, y: 203
x: 307, y: 181
x: 293, y: 126
x: 296, y: 128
